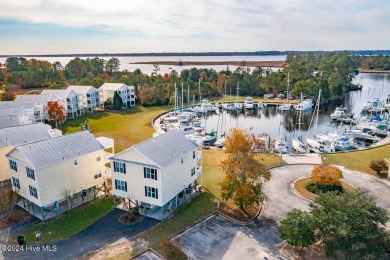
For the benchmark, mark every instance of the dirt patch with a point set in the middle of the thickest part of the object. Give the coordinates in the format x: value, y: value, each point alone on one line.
x: 130, y: 218
x: 12, y: 217
x: 312, y: 252
x: 231, y: 210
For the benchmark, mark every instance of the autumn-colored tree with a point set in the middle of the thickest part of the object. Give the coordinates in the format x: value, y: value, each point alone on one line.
x: 55, y: 112
x: 326, y: 175
x: 243, y: 173
x: 378, y: 166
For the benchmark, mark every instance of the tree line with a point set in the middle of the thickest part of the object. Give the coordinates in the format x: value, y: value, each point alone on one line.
x: 331, y: 72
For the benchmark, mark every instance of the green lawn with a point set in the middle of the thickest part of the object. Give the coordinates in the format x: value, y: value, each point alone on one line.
x: 127, y: 127
x: 70, y: 224
x: 359, y: 160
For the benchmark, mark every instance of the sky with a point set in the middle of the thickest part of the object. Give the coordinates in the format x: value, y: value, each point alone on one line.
x: 122, y: 26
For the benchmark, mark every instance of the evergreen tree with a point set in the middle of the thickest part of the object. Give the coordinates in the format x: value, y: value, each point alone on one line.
x: 117, y: 103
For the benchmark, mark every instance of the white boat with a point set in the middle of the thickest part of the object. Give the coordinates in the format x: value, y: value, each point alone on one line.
x: 220, y: 142
x: 197, y: 126
x: 229, y: 107
x: 210, y: 138
x: 281, y: 146
x: 387, y: 105
x: 286, y: 106
x: 362, y: 136
x: 299, y: 146
x: 326, y: 146
x: 305, y: 104
x: 382, y: 130
x: 313, y: 143
x: 238, y: 105
x: 248, y: 103
x: 344, y: 143
x: 261, y: 105
x: 205, y: 107
x: 340, y: 112
x: 366, y: 106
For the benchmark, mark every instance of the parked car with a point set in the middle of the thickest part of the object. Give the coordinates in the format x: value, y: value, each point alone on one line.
x: 268, y: 96
x: 280, y: 96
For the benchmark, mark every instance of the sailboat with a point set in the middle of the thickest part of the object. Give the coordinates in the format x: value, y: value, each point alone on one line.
x: 297, y: 144
x: 318, y: 145
x: 286, y: 106
x: 237, y: 104
x: 280, y: 144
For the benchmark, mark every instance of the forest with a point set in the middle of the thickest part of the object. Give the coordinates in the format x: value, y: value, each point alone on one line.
x: 308, y: 72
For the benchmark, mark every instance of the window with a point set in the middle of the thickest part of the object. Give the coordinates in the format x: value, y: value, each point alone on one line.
x: 98, y: 175
x: 150, y: 173
x: 119, y: 167
x: 98, y: 158
x: 15, y: 182
x: 193, y: 155
x: 75, y: 162
x: 120, y: 185
x: 151, y: 192
x: 30, y: 173
x: 33, y: 191
x: 12, y: 165
x: 193, y: 171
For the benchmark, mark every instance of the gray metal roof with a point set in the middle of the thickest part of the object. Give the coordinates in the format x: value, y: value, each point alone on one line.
x: 112, y: 86
x: 58, y: 93
x: 52, y: 151
x: 28, y: 104
x: 81, y: 89
x: 164, y: 149
x: 23, y: 134
x: 11, y: 111
x: 9, y: 121
x: 40, y: 99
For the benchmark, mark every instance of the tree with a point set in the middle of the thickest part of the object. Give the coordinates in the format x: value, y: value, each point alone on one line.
x: 117, y: 102
x: 378, y: 166
x: 55, y: 112
x: 350, y: 225
x: 112, y: 65
x: 326, y: 175
x: 243, y: 173
x: 298, y: 228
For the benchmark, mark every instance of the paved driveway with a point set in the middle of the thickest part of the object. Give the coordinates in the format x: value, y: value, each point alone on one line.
x: 281, y: 197
x: 219, y: 238
x: 104, y: 232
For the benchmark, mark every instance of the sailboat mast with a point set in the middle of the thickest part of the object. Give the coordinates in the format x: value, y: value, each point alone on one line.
x: 188, y: 95
x: 175, y: 100
x: 288, y: 86
x: 200, y: 94
x: 318, y: 110
x: 300, y: 115
x: 182, y: 100
x: 225, y: 91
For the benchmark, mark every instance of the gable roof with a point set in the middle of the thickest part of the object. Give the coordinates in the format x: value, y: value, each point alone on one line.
x: 58, y: 93
x: 40, y: 99
x: 9, y: 121
x: 80, y: 89
x: 12, y: 111
x: 27, y: 104
x: 23, y: 134
x: 163, y: 149
x: 52, y: 151
x: 112, y: 86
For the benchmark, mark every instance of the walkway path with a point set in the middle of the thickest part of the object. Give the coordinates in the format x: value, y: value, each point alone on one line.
x: 282, y: 199
x: 104, y: 232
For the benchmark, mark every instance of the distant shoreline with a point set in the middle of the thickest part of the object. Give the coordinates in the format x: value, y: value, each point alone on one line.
x: 373, y: 71
x: 276, y: 64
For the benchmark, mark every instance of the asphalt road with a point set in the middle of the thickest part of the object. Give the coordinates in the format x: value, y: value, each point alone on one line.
x: 104, y: 232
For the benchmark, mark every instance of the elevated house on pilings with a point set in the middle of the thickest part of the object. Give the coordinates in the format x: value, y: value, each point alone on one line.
x: 157, y: 175
x: 55, y: 175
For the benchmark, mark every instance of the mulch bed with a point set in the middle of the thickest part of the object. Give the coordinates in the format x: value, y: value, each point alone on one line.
x: 231, y: 210
x: 130, y: 218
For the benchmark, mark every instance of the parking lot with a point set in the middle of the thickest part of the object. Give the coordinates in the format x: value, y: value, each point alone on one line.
x: 219, y: 238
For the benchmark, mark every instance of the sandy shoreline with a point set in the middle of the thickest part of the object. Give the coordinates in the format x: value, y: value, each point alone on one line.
x: 278, y: 64
x: 373, y: 71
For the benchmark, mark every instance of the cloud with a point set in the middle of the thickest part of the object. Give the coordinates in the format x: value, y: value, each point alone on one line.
x: 278, y: 24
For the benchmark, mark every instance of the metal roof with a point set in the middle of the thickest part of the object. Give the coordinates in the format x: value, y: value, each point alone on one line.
x: 23, y: 134
x: 164, y: 149
x: 11, y: 111
x: 9, y: 121
x: 40, y: 99
x: 58, y: 93
x: 52, y: 151
x: 27, y: 104
x: 114, y: 86
x: 81, y: 89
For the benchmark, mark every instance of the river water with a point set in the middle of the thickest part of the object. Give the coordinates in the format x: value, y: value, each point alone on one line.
x: 269, y: 119
x: 126, y: 62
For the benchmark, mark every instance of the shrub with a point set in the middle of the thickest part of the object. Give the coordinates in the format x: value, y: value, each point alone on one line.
x: 326, y: 175
x: 318, y: 189
x: 378, y: 166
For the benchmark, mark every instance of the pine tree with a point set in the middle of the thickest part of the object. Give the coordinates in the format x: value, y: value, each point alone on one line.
x: 117, y: 103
